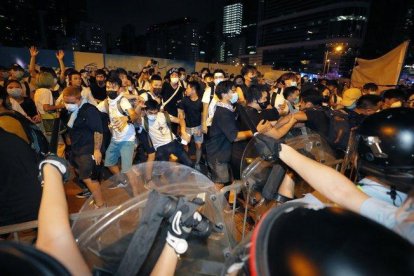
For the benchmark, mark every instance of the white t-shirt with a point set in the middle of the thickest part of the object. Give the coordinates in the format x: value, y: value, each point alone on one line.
x: 159, y: 131
x: 42, y: 96
x: 143, y: 85
x: 280, y: 99
x: 16, y: 107
x: 126, y: 134
x: 212, y: 104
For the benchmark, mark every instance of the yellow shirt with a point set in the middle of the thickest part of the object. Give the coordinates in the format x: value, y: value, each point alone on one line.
x: 13, y: 126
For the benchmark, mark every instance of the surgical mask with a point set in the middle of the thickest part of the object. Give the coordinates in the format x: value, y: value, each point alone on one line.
x: 296, y: 101
x: 293, y: 83
x: 174, y: 80
x: 15, y: 92
x: 234, y: 98
x: 152, y: 117
x: 71, y: 107
x: 156, y: 91
x: 352, y: 106
x: 112, y: 94
x: 217, y: 81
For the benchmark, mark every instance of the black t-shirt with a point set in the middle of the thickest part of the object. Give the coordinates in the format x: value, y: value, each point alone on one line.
x: 222, y: 133
x: 192, y: 111
x: 86, y: 124
x: 166, y: 92
x: 20, y: 191
x: 98, y: 92
x: 355, y: 119
x: 29, y: 107
x: 317, y: 120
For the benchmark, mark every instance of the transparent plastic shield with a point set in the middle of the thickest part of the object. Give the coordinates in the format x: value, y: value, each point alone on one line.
x: 103, y: 235
x: 304, y: 140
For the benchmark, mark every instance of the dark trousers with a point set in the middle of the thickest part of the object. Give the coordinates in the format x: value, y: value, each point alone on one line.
x: 174, y: 147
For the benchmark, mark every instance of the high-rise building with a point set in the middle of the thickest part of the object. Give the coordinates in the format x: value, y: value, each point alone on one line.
x: 311, y: 36
x: 90, y: 38
x: 232, y: 19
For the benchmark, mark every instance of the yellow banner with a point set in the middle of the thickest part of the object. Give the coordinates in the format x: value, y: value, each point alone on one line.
x: 384, y: 71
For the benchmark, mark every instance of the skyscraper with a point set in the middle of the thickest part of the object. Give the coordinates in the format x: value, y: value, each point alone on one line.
x: 232, y: 19
x: 311, y: 36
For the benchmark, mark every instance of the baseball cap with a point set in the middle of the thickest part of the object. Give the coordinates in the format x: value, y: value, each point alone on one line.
x: 16, y: 67
x: 350, y: 96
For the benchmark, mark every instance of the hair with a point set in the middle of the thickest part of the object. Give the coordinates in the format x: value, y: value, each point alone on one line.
x: 205, y: 69
x: 247, y: 68
x: 320, y: 88
x: 311, y: 96
x: 370, y: 86
x: 120, y: 71
x: 223, y: 88
x: 238, y: 77
x: 208, y: 75
x: 12, y: 81
x: 254, y: 92
x: 49, y: 70
x: 72, y: 91
x: 131, y: 79
x: 74, y: 72
x: 394, y: 94
x: 286, y: 76
x: 100, y: 72
x: 44, y: 80
x: 219, y: 71
x: 181, y: 69
x: 114, y: 79
x: 196, y: 86
x: 289, y: 91
x: 155, y: 78
x: 368, y: 101
x: 152, y: 104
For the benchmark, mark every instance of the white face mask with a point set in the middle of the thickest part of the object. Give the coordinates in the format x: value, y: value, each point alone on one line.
x: 152, y: 117
x: 217, y: 81
x: 293, y: 83
x: 15, y: 92
x: 234, y: 98
x: 174, y: 80
x: 71, y: 107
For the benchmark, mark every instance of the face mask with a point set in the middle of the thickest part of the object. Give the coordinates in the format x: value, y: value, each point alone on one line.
x: 152, y: 117
x: 217, y: 81
x: 174, y: 80
x: 296, y: 101
x: 352, y: 106
x: 19, y: 75
x: 263, y: 105
x: 112, y: 94
x: 157, y: 91
x: 234, y: 98
x: 100, y: 83
x: 15, y: 92
x: 71, y: 107
x: 293, y: 83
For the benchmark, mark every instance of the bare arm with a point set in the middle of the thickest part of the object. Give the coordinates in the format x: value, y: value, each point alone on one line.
x: 204, y: 118
x: 55, y: 235
x: 59, y: 55
x: 97, y: 139
x: 243, y: 135
x: 277, y: 133
x: 330, y: 183
x: 181, y: 119
x: 166, y: 263
x: 48, y: 107
x: 33, y: 53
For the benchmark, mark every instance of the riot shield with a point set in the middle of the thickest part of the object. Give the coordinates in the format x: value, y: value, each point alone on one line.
x: 103, y: 235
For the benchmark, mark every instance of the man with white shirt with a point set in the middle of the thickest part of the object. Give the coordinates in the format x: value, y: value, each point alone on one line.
x: 210, y: 100
x: 154, y: 91
x: 76, y: 81
x: 121, y: 117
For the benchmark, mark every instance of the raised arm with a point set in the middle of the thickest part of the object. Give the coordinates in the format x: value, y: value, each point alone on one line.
x: 32, y: 66
x: 59, y: 55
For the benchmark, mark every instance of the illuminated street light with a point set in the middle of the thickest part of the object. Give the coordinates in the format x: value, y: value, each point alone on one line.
x: 339, y: 48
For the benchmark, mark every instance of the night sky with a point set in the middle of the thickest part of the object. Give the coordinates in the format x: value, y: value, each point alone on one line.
x: 112, y: 15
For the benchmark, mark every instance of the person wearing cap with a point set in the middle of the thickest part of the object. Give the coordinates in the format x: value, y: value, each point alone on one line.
x: 172, y: 92
x: 350, y: 98
x: 16, y: 72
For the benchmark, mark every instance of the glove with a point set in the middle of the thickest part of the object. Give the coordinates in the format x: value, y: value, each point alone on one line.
x: 267, y: 147
x: 59, y: 163
x: 182, y: 222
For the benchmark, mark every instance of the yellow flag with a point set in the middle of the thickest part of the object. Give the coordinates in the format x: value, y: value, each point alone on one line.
x: 384, y: 71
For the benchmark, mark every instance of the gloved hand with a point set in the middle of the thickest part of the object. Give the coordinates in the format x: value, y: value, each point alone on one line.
x: 267, y: 147
x: 182, y: 222
x: 59, y: 163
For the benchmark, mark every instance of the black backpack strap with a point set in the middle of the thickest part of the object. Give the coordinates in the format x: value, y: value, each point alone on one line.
x: 118, y: 104
x: 26, y: 84
x: 146, y: 127
x: 273, y: 99
x: 168, y: 120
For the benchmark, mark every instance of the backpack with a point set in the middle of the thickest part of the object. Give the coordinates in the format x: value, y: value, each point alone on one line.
x: 37, y: 139
x: 118, y: 105
x: 167, y: 119
x: 339, y: 129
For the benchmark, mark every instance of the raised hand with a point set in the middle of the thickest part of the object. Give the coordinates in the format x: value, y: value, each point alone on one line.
x: 60, y: 54
x: 33, y: 51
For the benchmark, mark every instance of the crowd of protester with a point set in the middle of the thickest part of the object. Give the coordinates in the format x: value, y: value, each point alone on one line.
x: 114, y: 119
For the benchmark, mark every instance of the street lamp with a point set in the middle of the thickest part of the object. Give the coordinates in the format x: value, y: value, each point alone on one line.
x: 336, y: 50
